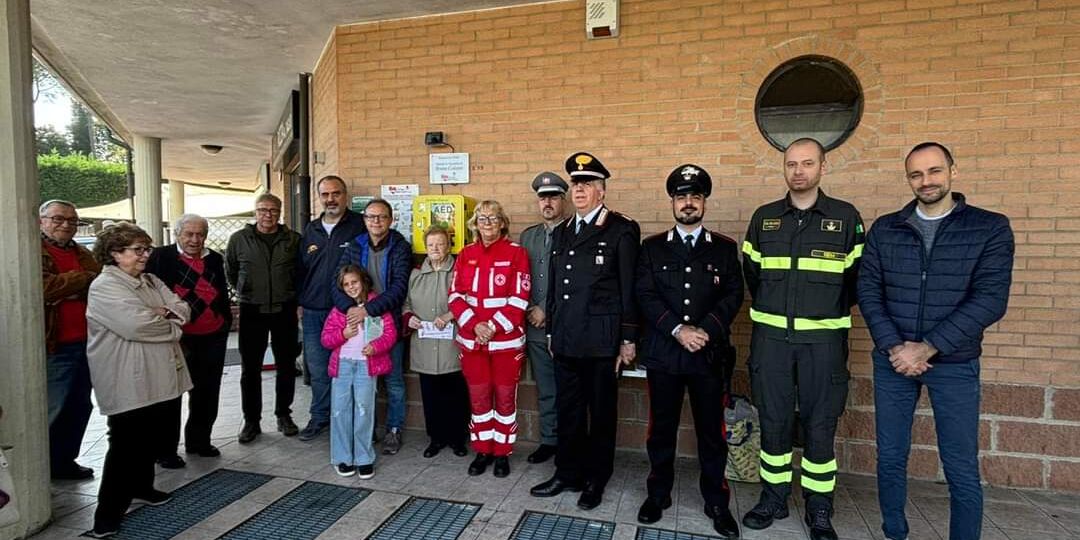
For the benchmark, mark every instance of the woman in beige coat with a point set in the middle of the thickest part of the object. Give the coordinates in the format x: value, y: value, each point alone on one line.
x: 136, y: 366
x: 436, y: 359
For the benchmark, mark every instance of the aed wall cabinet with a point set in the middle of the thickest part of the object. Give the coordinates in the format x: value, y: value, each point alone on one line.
x: 448, y: 211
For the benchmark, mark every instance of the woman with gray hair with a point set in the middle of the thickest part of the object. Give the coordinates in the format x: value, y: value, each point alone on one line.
x: 197, y: 275
x: 134, y: 326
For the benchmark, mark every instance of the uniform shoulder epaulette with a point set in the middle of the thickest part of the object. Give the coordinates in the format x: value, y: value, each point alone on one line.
x: 622, y: 215
x: 659, y: 237
x: 724, y: 237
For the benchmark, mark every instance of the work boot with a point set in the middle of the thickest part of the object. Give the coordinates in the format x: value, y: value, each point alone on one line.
x: 820, y: 523
x: 286, y: 426
x: 249, y: 432
x: 763, y: 513
x: 392, y: 442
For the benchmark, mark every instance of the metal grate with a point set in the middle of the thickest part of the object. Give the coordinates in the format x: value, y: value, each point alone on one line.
x: 427, y: 519
x: 191, y: 504
x: 541, y: 526
x: 645, y: 533
x: 303, y: 514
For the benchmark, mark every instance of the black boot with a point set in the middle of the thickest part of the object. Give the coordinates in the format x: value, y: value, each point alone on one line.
x: 480, y: 464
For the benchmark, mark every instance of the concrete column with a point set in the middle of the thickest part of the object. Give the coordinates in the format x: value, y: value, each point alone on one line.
x: 147, y: 157
x: 176, y: 200
x: 22, y: 363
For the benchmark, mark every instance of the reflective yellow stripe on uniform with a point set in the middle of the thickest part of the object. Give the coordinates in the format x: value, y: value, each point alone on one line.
x: 818, y: 468
x: 832, y: 266
x: 775, y: 478
x: 776, y: 461
x: 775, y: 469
x: 767, y: 263
x: 819, y: 477
x: 816, y: 485
x: 779, y: 321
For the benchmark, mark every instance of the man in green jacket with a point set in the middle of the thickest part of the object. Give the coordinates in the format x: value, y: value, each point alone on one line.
x: 260, y: 264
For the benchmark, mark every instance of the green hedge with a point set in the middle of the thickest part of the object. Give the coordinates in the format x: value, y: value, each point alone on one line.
x: 82, y: 180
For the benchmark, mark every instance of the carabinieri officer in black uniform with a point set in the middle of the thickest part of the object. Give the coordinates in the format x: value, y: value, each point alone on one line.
x: 690, y: 287
x: 592, y: 322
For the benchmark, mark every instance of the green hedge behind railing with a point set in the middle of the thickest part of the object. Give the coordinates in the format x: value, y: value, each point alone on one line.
x: 82, y: 180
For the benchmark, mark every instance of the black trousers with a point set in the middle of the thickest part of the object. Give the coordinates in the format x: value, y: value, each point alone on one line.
x: 282, y: 330
x: 586, y: 398
x: 205, y: 358
x: 129, y: 466
x: 446, y: 407
x: 816, y: 375
x: 665, y: 409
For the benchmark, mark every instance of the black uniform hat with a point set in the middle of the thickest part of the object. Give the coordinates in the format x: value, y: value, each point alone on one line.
x: 548, y: 182
x: 583, y: 167
x: 689, y: 178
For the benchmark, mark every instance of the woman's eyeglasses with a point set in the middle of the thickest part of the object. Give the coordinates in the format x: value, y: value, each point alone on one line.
x: 139, y: 250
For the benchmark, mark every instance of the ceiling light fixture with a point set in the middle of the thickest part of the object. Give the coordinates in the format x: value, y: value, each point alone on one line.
x: 211, y: 149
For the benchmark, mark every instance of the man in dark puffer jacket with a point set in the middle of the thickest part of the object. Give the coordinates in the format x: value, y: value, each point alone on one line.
x: 934, y: 276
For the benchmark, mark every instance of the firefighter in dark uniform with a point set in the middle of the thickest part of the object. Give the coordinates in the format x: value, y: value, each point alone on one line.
x: 690, y: 288
x: 592, y: 322
x: 800, y: 259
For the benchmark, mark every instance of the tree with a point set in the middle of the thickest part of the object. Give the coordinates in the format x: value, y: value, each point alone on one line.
x: 45, y: 85
x: 47, y: 140
x: 81, y: 129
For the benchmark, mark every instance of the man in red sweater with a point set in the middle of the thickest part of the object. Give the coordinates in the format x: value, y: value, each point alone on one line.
x: 67, y: 270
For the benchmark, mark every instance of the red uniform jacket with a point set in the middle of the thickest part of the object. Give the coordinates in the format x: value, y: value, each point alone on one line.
x: 491, y: 284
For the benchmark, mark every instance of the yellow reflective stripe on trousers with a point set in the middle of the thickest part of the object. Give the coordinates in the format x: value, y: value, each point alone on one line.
x: 779, y: 321
x: 818, y: 468
x: 775, y: 461
x: 775, y: 478
x: 815, y: 485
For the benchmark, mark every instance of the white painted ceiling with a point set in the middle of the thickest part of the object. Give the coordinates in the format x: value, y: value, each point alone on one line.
x: 198, y: 72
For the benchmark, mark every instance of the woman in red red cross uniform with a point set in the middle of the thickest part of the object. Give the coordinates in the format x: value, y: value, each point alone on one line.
x: 488, y: 297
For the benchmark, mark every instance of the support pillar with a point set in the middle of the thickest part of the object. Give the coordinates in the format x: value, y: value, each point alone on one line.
x: 147, y: 155
x: 22, y: 364
x: 176, y: 200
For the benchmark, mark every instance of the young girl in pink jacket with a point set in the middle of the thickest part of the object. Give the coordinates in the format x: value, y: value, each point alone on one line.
x: 361, y: 352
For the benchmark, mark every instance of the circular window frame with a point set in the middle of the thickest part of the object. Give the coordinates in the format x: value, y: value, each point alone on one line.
x: 836, y: 66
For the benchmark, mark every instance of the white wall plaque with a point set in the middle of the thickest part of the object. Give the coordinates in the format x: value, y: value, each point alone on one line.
x: 450, y: 168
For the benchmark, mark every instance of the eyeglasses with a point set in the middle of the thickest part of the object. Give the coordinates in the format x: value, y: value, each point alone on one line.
x: 267, y: 211
x: 139, y: 250
x: 57, y: 220
x: 376, y: 217
x: 487, y: 220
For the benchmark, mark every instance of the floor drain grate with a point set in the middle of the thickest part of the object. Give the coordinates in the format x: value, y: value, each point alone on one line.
x: 541, y: 526
x: 427, y: 519
x: 645, y: 533
x: 302, y: 514
x: 191, y: 504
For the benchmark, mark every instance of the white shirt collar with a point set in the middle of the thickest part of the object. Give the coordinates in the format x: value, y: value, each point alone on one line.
x: 205, y: 252
x: 589, y: 217
x: 696, y: 233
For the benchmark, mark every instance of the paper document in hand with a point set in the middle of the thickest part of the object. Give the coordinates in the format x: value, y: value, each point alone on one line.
x: 428, y: 331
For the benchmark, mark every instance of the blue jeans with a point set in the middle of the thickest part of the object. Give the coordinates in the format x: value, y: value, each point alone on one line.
x: 68, y: 390
x: 352, y: 419
x: 395, y: 389
x: 316, y: 360
x: 954, y: 394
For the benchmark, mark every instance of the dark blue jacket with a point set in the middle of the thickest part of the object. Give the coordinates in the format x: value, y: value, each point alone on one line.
x: 319, y: 256
x: 396, y: 269
x: 947, y: 298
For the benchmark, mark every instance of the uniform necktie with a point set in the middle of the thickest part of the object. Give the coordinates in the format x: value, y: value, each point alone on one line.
x: 580, y: 223
x: 689, y: 241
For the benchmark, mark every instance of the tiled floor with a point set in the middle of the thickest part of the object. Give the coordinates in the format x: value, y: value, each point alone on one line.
x: 1010, y: 514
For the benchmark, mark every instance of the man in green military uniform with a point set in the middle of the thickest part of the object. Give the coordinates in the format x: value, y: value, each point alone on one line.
x: 800, y: 260
x: 550, y: 191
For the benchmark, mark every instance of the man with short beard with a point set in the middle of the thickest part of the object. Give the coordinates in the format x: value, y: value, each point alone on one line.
x: 934, y: 276
x: 550, y: 191
x: 321, y: 246
x: 800, y: 259
x: 690, y: 288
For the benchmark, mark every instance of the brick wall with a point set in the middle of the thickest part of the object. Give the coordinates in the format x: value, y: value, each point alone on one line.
x: 997, y: 81
x: 324, y: 119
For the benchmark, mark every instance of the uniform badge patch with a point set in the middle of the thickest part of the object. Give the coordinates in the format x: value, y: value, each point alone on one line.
x: 832, y: 255
x: 832, y: 225
x: 770, y: 224
x: 312, y: 248
x: 500, y: 280
x: 858, y: 228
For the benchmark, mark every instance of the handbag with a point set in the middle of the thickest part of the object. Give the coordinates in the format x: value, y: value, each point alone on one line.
x: 743, y: 436
x: 9, y: 510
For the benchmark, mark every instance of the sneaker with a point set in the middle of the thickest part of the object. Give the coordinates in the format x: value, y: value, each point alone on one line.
x: 249, y: 432
x: 820, y: 523
x: 286, y: 426
x: 344, y: 469
x: 153, y: 498
x: 392, y: 441
x: 763, y: 513
x: 312, y: 430
x: 366, y: 471
x: 103, y: 532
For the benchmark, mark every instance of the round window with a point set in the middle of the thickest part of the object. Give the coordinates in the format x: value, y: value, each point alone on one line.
x: 809, y: 96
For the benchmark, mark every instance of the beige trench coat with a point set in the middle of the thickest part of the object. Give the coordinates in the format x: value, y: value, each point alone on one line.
x: 429, y: 291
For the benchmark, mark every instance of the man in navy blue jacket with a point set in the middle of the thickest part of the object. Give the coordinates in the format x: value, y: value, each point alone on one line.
x: 387, y: 257
x: 934, y: 276
x: 321, y: 247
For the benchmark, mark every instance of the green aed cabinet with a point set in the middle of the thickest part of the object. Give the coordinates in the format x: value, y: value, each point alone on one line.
x: 448, y: 211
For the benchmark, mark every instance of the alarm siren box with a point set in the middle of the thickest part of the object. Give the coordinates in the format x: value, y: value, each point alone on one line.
x: 448, y: 211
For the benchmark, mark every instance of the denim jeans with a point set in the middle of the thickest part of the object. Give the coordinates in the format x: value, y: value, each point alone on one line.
x: 395, y: 389
x: 316, y: 359
x: 68, y: 390
x: 352, y: 419
x: 954, y: 395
